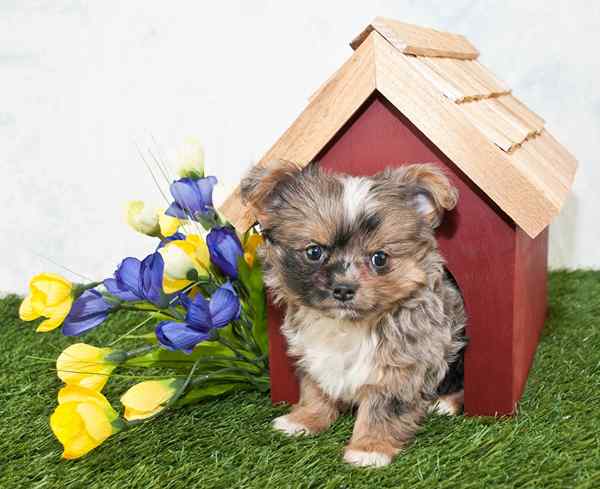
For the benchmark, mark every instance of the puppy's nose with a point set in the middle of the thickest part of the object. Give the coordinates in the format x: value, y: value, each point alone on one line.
x: 344, y: 292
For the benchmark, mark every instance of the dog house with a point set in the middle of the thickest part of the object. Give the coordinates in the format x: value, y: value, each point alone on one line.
x: 410, y: 95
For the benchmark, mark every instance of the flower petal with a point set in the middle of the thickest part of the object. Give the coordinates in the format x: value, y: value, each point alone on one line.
x: 175, y: 210
x: 66, y: 424
x: 54, y: 288
x: 178, y: 257
x: 190, y: 158
x: 84, y: 365
x: 96, y: 422
x: 88, y: 304
x: 170, y: 285
x: 27, y: 311
x: 88, y: 311
x: 198, y: 314
x: 188, y: 196
x: 147, y: 398
x: 174, y: 237
x: 179, y: 336
x: 143, y: 218
x: 76, y: 328
x: 225, y: 249
x: 76, y: 393
x: 206, y: 186
x: 168, y: 224
x: 151, y: 277
x: 128, y: 275
x: 252, y: 243
x: 224, y: 306
x: 56, y: 316
x: 118, y: 290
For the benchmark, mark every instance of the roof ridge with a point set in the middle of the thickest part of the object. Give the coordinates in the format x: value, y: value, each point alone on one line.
x: 417, y: 40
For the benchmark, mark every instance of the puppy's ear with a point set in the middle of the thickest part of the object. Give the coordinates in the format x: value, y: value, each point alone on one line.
x: 428, y: 189
x: 259, y: 185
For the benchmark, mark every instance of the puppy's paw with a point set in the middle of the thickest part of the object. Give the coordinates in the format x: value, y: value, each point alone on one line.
x: 361, y: 458
x: 289, y: 427
x: 448, y: 405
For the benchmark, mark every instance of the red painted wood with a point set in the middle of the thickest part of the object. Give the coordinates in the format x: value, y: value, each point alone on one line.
x: 481, y: 246
x: 284, y: 385
x: 531, y: 295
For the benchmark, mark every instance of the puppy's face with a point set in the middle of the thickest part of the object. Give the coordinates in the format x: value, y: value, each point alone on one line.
x: 349, y: 247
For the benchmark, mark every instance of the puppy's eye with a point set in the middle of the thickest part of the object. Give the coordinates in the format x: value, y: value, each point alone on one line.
x: 379, y: 259
x: 314, y: 252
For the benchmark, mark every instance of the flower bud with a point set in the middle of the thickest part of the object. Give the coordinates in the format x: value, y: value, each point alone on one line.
x: 190, y: 159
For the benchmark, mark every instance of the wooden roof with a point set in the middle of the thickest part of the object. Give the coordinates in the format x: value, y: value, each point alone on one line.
x: 435, y: 80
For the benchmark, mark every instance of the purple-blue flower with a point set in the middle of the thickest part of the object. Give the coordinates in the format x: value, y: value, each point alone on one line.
x: 87, y: 312
x: 193, y: 197
x: 180, y: 336
x: 136, y: 280
x: 174, y: 237
x: 126, y: 282
x: 202, y: 317
x: 225, y: 249
x: 151, y: 278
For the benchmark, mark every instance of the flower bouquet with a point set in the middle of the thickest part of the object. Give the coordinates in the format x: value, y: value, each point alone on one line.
x: 202, y: 327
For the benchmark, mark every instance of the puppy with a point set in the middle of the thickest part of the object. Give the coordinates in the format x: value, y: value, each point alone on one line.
x: 372, y: 320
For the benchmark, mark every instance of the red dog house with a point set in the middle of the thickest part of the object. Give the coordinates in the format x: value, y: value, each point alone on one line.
x: 411, y: 95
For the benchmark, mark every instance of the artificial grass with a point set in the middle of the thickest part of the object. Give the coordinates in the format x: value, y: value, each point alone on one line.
x: 553, y: 442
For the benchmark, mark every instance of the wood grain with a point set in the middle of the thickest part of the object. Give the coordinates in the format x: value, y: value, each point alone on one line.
x: 515, y: 190
x: 477, y: 135
x: 500, y: 125
x: 422, y: 41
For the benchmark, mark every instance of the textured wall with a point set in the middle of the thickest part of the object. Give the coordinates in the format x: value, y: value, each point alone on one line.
x: 81, y: 83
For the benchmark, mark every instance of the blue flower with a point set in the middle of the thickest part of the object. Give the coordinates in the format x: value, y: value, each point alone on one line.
x: 136, y: 280
x: 168, y: 239
x: 202, y: 317
x: 87, y: 312
x: 126, y: 282
x: 180, y: 336
x: 193, y: 197
x: 225, y: 250
x: 151, y: 278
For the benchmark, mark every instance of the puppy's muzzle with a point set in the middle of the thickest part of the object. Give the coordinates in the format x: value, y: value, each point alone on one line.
x: 344, y: 292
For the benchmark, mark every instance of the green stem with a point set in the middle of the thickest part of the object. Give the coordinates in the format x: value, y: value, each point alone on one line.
x: 127, y: 307
x: 236, y: 352
x: 208, y: 359
x: 135, y: 328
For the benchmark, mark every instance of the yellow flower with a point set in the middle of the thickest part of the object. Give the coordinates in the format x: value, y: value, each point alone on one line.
x: 85, y: 366
x: 82, y: 420
x: 183, y: 260
x: 252, y: 243
x: 190, y: 159
x: 168, y: 224
x: 148, y: 398
x: 143, y: 218
x: 50, y: 297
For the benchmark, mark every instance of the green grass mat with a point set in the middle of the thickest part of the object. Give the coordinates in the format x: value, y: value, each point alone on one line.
x: 553, y: 442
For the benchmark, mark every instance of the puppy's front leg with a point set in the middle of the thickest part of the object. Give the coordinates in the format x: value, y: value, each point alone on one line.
x: 314, y: 413
x: 384, y: 424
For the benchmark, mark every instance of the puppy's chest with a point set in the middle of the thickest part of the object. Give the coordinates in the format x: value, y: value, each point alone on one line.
x: 340, y: 356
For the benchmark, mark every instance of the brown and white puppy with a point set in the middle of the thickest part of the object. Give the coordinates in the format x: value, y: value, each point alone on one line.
x: 372, y: 318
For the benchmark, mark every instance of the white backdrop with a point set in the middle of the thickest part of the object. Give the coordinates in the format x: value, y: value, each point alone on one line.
x: 81, y: 83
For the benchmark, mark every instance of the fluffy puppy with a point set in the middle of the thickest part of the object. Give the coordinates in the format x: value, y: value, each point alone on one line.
x: 372, y: 319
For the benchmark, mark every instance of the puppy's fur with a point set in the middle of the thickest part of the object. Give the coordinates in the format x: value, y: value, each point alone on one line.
x: 383, y: 334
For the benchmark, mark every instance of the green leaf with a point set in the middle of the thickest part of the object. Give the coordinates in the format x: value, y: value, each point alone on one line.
x: 209, y: 391
x: 252, y: 278
x: 178, y: 359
